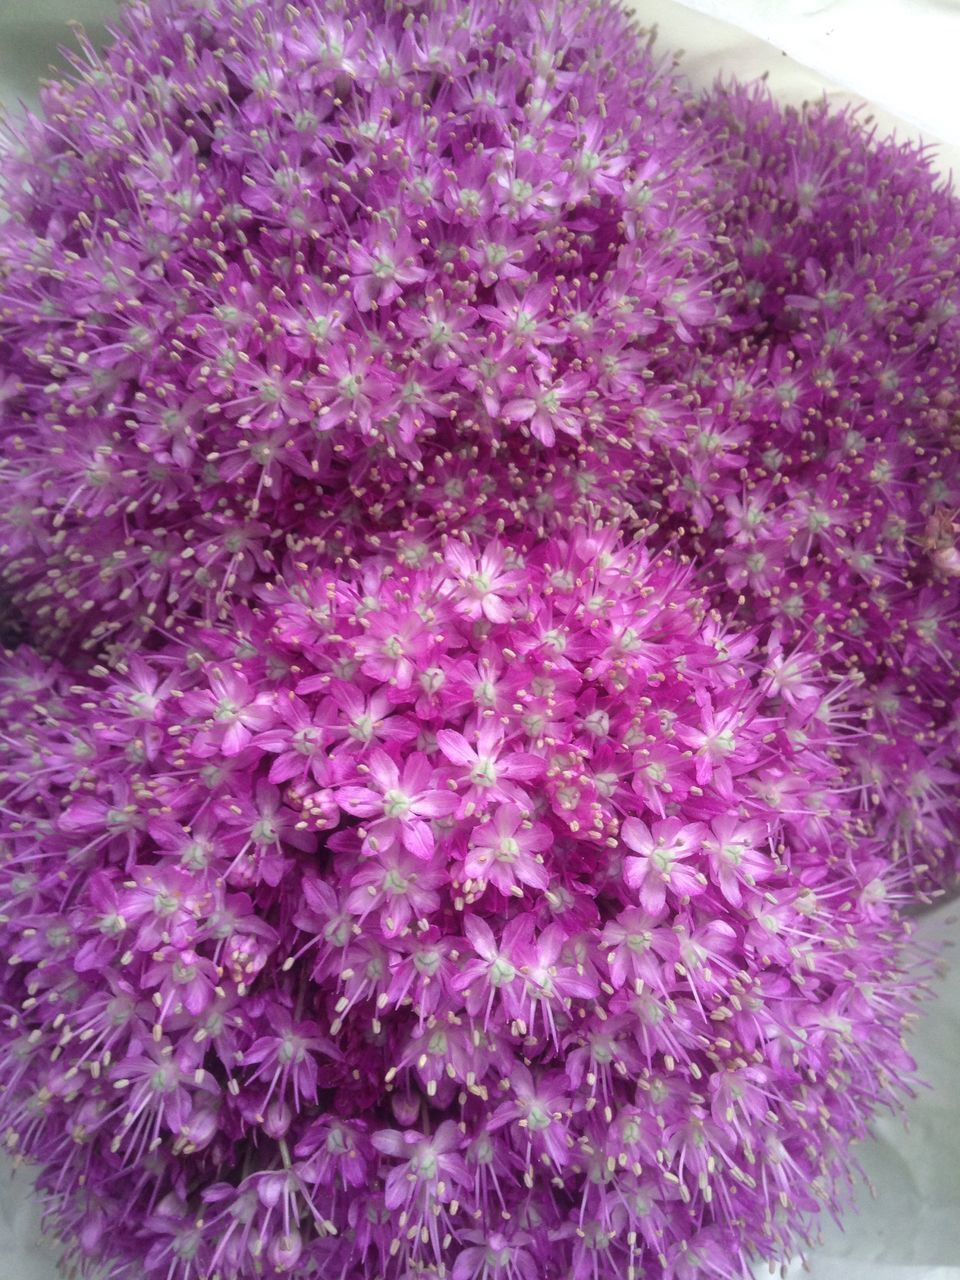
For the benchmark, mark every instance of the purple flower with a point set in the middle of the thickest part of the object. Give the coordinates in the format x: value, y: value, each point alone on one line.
x: 664, y: 850
x: 402, y: 804
x: 503, y: 852
x: 490, y: 773
x: 515, y: 938
x: 499, y: 515
x: 232, y: 714
x: 431, y: 1170
x: 362, y: 256
x: 485, y: 583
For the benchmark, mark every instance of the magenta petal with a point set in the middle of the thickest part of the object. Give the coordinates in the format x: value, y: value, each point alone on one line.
x: 418, y: 838
x: 652, y: 894
x: 360, y: 801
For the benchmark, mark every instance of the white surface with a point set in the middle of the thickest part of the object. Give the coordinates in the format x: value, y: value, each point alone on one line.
x: 902, y: 56
x: 898, y: 54
x: 909, y: 1228
x: 24, y: 1253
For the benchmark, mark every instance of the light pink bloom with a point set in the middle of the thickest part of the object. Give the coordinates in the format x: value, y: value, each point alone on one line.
x: 484, y: 585
x: 661, y: 866
x: 502, y: 852
x: 402, y: 805
x: 491, y: 773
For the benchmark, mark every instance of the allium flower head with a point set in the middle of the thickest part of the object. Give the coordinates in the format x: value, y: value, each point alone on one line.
x: 305, y: 276
x: 493, y: 916
x: 262, y: 264
x: 498, y: 512
x: 819, y: 479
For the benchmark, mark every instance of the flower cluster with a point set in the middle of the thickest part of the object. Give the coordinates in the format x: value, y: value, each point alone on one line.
x: 321, y: 273
x: 261, y: 264
x: 820, y: 476
x: 499, y: 513
x: 470, y: 913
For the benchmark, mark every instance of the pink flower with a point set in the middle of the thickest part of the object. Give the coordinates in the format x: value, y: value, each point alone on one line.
x: 402, y: 805
x: 545, y: 407
x: 502, y: 852
x: 661, y: 866
x: 398, y: 885
x: 492, y: 774
x: 718, y: 745
x: 483, y: 583
x: 228, y: 714
x: 496, y: 970
x: 394, y: 647
x: 733, y: 851
x: 184, y: 981
x: 355, y: 721
x: 287, y: 1060
x: 390, y: 1038
x: 639, y: 944
x: 541, y: 1106
x: 381, y: 271
x: 431, y: 1167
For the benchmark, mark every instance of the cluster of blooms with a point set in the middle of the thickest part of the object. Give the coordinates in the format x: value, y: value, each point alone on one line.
x: 404, y: 874
x: 261, y: 262
x: 271, y: 272
x: 469, y: 913
x: 821, y: 472
x: 805, y: 452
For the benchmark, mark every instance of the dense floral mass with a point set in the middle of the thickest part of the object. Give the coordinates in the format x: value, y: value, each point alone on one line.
x: 273, y: 273
x: 485, y: 524
x: 249, y: 285
x: 509, y: 889
x: 822, y: 468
